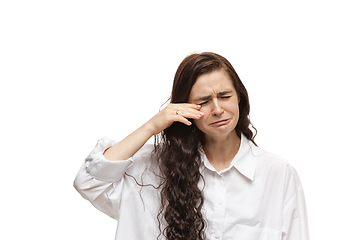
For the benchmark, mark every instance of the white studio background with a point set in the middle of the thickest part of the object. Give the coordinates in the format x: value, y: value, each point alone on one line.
x: 74, y: 71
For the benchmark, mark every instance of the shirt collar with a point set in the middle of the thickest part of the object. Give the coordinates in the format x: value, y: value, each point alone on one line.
x: 244, y: 161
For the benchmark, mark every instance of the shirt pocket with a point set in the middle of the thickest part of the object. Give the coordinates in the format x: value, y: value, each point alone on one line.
x: 254, y: 233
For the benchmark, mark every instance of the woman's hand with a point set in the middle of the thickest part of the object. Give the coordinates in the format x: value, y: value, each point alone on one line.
x: 174, y: 112
x: 178, y: 112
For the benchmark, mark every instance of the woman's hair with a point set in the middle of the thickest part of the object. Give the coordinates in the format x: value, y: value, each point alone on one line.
x: 178, y: 150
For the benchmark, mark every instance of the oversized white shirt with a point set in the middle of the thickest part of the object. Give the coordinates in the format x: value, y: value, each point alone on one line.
x: 258, y: 197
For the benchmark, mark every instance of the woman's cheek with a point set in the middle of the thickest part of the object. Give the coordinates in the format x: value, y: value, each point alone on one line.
x: 199, y: 122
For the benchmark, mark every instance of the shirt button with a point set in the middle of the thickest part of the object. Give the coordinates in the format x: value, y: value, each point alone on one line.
x: 217, y: 236
x: 220, y: 202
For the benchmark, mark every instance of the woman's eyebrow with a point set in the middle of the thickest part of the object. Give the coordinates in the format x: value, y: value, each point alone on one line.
x: 203, y: 98
x: 224, y: 93
x: 207, y: 97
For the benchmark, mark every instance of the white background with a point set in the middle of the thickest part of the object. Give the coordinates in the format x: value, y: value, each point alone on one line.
x: 74, y: 71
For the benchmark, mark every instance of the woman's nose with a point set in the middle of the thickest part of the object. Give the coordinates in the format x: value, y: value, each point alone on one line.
x: 217, y: 110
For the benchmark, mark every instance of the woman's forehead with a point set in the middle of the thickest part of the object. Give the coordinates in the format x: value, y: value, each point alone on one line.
x: 212, y: 83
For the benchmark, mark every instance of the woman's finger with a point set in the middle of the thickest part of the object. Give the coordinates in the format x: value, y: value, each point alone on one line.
x: 187, y: 110
x: 183, y: 120
x: 189, y: 114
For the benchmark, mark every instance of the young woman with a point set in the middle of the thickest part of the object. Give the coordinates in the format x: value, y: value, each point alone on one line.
x: 204, y: 178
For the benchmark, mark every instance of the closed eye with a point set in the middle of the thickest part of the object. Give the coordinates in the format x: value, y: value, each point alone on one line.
x: 225, y: 97
x: 203, y: 103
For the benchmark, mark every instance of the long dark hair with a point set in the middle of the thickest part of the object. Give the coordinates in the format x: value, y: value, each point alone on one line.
x: 178, y: 150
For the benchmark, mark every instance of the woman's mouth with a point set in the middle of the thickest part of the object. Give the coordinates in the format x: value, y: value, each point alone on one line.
x: 220, y: 122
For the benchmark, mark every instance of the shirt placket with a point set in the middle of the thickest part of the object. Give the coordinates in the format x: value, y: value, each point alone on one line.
x: 220, y: 202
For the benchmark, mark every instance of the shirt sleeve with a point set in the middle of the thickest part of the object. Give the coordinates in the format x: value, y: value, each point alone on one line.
x: 101, y: 181
x: 295, y: 223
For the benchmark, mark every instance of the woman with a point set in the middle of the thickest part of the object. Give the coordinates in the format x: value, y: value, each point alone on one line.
x: 205, y: 178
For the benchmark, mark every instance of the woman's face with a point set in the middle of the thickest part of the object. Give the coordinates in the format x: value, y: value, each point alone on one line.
x: 219, y: 102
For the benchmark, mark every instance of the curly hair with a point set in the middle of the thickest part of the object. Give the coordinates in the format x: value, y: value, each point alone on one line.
x: 179, y: 150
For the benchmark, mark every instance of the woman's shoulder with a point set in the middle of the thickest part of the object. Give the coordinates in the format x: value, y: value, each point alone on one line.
x: 269, y: 158
x: 273, y: 165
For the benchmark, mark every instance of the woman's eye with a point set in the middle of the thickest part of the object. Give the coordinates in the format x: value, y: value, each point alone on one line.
x: 203, y: 103
x: 225, y: 97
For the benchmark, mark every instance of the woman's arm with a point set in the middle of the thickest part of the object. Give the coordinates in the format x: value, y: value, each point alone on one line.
x: 100, y: 180
x: 172, y: 113
x: 295, y: 222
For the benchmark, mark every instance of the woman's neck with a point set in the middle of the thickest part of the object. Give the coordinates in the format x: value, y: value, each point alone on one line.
x: 221, y: 152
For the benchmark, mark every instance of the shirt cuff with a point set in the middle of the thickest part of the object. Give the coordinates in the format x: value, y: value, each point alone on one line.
x: 101, y: 168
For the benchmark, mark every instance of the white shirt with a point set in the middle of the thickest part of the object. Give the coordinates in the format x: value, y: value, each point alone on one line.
x: 258, y: 197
